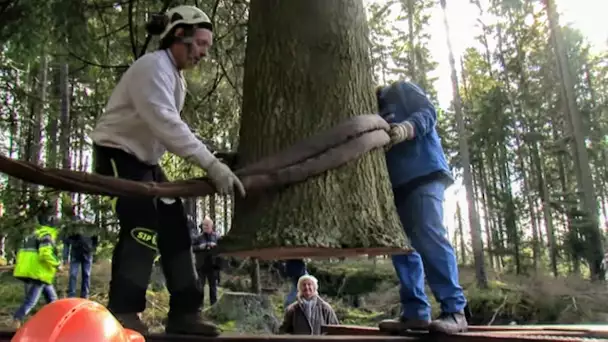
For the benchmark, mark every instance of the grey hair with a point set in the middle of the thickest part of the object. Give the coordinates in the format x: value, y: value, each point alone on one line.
x: 312, y: 279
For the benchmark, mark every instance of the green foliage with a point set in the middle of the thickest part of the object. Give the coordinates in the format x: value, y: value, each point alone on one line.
x: 400, y: 50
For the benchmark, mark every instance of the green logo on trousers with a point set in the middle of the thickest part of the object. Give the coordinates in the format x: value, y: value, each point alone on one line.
x: 145, y: 236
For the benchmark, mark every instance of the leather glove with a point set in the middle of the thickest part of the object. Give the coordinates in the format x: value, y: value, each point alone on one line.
x: 224, y: 179
x: 400, y: 132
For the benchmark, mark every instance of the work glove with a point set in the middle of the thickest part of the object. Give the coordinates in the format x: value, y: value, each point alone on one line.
x: 400, y: 133
x: 224, y: 179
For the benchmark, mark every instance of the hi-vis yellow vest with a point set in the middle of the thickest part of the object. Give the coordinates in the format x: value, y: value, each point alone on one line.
x: 37, y: 258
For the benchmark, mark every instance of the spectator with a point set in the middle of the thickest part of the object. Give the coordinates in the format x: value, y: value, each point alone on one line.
x: 36, y: 265
x: 309, y: 312
x: 294, y: 269
x: 208, y: 265
x: 82, y: 248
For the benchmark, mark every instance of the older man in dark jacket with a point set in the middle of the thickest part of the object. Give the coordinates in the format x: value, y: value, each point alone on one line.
x: 208, y: 265
x: 309, y: 312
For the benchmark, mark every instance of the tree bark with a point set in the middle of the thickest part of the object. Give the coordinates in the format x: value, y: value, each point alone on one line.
x: 307, y: 69
x: 595, y: 250
x: 480, y: 269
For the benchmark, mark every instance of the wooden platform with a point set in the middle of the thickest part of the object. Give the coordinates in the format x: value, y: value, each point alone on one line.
x: 7, y: 335
x: 534, y: 333
x: 490, y: 333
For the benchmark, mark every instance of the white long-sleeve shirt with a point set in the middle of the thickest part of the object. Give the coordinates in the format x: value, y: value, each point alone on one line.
x: 142, y: 116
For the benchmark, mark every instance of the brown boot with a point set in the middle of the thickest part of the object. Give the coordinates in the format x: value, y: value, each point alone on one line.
x: 401, y: 325
x: 132, y: 321
x: 450, y: 323
x: 191, y: 324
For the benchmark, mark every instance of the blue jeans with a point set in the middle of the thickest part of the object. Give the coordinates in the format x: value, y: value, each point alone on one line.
x: 83, y: 265
x: 33, y: 290
x: 421, y: 214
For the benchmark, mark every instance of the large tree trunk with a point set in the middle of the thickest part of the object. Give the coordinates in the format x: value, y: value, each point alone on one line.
x: 307, y: 69
x: 595, y: 249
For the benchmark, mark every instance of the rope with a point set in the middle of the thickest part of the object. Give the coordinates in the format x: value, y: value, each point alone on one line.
x: 315, y: 155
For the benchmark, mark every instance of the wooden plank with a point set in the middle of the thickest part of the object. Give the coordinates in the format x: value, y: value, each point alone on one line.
x: 345, y: 338
x: 489, y: 333
x: 363, y: 330
x: 346, y: 329
x: 555, y: 327
x: 7, y: 335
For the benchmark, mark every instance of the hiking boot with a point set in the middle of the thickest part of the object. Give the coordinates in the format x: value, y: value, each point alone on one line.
x: 449, y: 323
x: 190, y: 324
x: 402, y: 324
x: 132, y: 321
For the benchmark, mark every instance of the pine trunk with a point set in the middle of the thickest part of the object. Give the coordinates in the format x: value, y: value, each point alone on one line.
x: 307, y: 69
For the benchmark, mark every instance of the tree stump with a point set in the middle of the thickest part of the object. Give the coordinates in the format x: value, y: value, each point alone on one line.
x: 307, y: 69
x: 250, y: 312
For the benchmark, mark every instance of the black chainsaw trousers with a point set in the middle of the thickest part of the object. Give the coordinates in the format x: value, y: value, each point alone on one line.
x: 148, y: 225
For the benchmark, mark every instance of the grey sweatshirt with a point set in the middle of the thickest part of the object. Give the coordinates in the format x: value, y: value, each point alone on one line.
x: 142, y: 116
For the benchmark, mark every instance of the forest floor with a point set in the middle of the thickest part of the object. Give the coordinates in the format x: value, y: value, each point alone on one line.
x: 523, y: 300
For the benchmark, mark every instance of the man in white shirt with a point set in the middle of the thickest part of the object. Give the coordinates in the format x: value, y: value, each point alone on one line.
x: 141, y: 122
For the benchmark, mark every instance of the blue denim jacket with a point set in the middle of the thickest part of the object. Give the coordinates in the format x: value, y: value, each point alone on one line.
x: 423, y: 155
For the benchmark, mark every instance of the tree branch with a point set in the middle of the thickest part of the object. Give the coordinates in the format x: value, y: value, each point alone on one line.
x: 216, y: 82
x: 103, y: 66
x: 131, y: 30
x: 166, y: 5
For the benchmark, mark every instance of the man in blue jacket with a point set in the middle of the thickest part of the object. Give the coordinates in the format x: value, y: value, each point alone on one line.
x: 81, y: 247
x: 419, y: 175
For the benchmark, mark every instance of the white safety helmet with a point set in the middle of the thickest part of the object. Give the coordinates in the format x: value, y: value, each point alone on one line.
x: 188, y: 15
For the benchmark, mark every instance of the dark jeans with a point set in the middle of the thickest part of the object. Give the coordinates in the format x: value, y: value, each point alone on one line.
x: 212, y: 278
x: 84, y: 265
x: 142, y: 220
x: 33, y: 289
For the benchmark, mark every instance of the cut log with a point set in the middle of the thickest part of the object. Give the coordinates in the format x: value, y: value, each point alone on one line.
x: 308, y: 69
x: 249, y: 312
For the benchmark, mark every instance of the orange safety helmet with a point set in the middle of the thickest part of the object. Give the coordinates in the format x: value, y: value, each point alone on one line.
x: 75, y: 320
